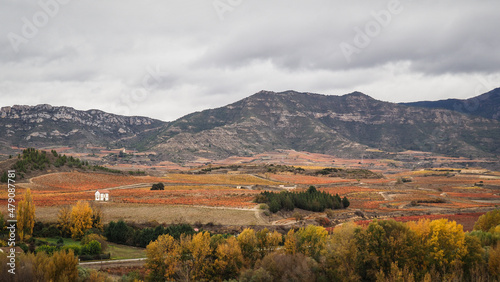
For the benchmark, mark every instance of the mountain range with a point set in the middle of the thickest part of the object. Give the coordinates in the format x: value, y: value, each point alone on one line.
x: 347, y: 126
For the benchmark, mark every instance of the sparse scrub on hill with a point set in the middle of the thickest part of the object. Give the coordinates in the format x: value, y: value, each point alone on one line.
x: 32, y: 159
x: 348, y: 173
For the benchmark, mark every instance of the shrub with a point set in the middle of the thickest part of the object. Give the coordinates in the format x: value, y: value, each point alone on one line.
x: 95, y: 237
x: 76, y: 249
x: 92, y: 248
x: 49, y: 250
x: 323, y: 221
x: 158, y: 186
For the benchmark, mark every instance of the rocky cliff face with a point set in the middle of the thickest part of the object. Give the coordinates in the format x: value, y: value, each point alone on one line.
x: 45, y: 125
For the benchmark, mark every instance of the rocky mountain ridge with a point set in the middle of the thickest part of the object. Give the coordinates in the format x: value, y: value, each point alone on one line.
x: 347, y: 126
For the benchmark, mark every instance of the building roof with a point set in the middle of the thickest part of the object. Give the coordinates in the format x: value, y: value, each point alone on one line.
x: 102, y: 191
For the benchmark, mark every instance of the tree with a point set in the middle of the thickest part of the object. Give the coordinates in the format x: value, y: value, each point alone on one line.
x: 26, y: 215
x: 64, y: 221
x: 4, y: 178
x: 488, y: 221
x: 342, y: 254
x: 163, y: 258
x: 200, y: 251
x: 118, y: 232
x: 81, y: 219
x: 229, y: 259
x: 97, y: 217
x: 290, y: 242
x: 158, y: 186
x: 311, y: 240
x: 267, y: 241
x: 441, y: 243
x: 381, y: 244
x: 345, y: 202
x: 248, y: 244
x: 494, y: 261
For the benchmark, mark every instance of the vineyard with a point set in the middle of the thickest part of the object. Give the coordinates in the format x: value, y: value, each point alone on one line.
x: 423, y: 193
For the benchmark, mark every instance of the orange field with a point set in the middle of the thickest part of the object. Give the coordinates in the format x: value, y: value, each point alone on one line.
x: 307, y: 179
x: 78, y: 181
x: 345, y: 190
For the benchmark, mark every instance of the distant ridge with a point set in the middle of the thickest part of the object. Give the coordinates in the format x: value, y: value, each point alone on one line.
x: 486, y: 105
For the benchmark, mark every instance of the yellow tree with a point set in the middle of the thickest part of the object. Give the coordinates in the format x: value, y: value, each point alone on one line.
x: 494, y: 261
x: 26, y: 215
x: 311, y: 240
x: 290, y: 242
x: 64, y: 220
x: 248, y: 245
x: 443, y: 242
x: 488, y: 221
x: 342, y: 253
x: 163, y: 258
x: 81, y: 219
x: 200, y: 251
x: 267, y: 241
x: 229, y: 259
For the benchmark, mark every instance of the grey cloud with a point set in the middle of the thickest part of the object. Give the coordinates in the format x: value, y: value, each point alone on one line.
x: 101, y: 51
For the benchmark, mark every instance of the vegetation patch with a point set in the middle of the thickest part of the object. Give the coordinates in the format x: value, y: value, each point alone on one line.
x: 311, y: 200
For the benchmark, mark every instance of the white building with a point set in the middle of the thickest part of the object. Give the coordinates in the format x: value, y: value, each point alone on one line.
x: 101, y: 195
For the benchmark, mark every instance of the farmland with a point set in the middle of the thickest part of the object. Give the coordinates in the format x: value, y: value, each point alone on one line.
x: 227, y: 196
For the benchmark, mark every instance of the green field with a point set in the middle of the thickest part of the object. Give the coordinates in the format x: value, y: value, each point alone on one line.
x: 125, y: 252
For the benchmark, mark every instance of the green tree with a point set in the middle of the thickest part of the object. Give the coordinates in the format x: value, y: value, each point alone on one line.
x: 4, y: 178
x: 381, y: 244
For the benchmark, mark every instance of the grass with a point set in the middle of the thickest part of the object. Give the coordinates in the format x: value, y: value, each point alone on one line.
x: 117, y: 251
x: 125, y: 252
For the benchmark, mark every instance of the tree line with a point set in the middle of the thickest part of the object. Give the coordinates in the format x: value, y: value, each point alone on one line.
x: 311, y: 200
x: 121, y: 233
x: 387, y: 250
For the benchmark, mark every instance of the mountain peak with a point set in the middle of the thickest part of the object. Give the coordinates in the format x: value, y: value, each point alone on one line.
x: 358, y: 94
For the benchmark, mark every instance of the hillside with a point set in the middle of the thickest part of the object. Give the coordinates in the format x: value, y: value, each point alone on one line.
x: 338, y: 125
x: 486, y: 105
x: 344, y: 126
x: 45, y: 125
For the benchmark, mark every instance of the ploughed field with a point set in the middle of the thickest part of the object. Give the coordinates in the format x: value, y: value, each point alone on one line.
x: 207, y: 197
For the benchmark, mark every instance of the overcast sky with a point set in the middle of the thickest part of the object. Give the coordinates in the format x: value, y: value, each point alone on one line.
x: 165, y: 58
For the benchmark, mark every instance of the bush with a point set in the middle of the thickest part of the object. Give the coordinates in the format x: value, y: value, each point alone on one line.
x: 49, y: 250
x: 95, y: 237
x: 92, y: 248
x: 76, y: 249
x: 323, y: 221
x: 158, y: 186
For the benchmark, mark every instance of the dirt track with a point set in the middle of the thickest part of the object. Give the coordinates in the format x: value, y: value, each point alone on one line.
x: 113, y: 263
